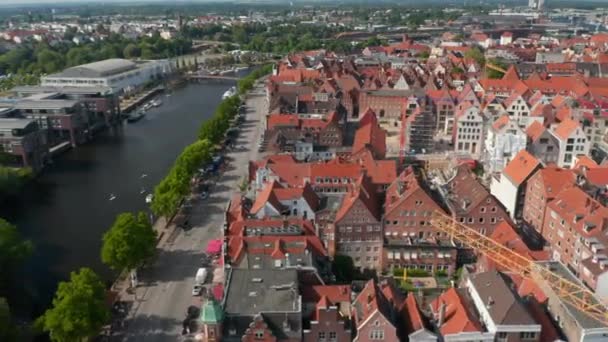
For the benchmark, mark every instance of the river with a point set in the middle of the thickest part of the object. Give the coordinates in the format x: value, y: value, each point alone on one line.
x: 67, y: 209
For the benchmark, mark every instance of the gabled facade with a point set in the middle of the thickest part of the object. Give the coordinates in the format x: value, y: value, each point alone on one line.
x: 471, y: 203
x: 469, y: 131
x: 375, y: 317
x: 542, y: 187
x: 542, y: 144
x: 510, y: 186
x: 358, y: 226
x: 411, y: 240
x: 572, y: 141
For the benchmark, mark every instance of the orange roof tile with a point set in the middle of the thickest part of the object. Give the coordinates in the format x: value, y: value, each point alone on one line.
x: 585, y: 161
x: 566, y: 128
x: 501, y: 122
x: 457, y: 317
x: 535, y: 130
x: 413, y: 317
x: 521, y: 167
x: 370, y: 135
x: 267, y: 195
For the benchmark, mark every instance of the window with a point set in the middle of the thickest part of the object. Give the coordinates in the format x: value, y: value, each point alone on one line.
x: 527, y: 335
x: 376, y: 335
x: 333, y: 336
x: 259, y: 334
x: 321, y: 335
x: 501, y: 336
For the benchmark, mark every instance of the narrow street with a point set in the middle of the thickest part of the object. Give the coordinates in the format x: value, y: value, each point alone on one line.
x: 165, y: 287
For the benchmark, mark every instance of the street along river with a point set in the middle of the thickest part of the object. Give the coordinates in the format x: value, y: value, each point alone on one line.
x: 67, y: 210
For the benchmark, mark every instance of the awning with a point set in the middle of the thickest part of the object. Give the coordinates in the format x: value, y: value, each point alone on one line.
x: 214, y: 247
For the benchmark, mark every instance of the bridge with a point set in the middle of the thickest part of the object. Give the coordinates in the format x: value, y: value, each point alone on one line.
x: 212, y: 77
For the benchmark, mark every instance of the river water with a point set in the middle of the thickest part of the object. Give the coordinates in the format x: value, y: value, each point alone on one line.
x: 67, y: 210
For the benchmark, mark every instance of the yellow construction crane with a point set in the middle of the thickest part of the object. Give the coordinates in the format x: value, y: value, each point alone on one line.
x: 495, y: 67
x: 569, y: 292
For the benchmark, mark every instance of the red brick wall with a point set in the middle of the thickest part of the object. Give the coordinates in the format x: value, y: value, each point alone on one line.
x: 379, y: 323
x: 327, y: 323
x: 535, y: 203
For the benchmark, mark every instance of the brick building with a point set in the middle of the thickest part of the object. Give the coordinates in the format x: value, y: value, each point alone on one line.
x: 471, y: 203
x: 541, y: 188
x: 358, y: 226
x: 410, y: 239
x: 575, y: 228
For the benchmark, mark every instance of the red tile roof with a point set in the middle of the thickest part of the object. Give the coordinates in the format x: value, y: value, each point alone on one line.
x: 274, y: 246
x: 566, y: 128
x: 535, y: 130
x: 457, y: 317
x: 282, y: 120
x: 584, y: 214
x: 501, y: 122
x: 334, y: 293
x: 238, y: 228
x: 584, y: 161
x: 521, y: 167
x: 597, y: 176
x: 370, y: 135
x: 413, y: 316
x: 363, y: 192
x: 267, y: 195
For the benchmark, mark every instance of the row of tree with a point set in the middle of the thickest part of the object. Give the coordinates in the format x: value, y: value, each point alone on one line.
x: 13, y: 251
x: 246, y: 83
x: 79, y: 309
x: 27, y: 62
x: 13, y: 180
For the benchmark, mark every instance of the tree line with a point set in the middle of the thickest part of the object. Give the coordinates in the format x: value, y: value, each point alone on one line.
x: 27, y: 62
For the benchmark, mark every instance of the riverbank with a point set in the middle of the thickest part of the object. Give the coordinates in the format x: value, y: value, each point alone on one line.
x: 67, y: 209
x: 160, y: 301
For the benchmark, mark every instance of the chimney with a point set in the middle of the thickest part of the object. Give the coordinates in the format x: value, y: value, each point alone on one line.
x: 490, y: 302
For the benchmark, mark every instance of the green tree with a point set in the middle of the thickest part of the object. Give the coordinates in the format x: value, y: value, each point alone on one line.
x: 497, y: 62
x: 78, y: 310
x: 7, y: 330
x: 129, y: 242
x: 131, y: 51
x: 12, y: 180
x: 476, y: 54
x: 13, y: 249
x: 50, y: 61
x: 343, y: 268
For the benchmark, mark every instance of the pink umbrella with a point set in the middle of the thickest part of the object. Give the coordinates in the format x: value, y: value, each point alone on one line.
x: 214, y: 247
x: 218, y: 292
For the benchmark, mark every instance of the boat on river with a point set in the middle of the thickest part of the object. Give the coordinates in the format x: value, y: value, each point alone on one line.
x: 229, y: 93
x: 136, y: 117
x: 157, y: 103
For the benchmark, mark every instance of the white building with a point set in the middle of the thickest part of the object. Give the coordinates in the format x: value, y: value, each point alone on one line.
x: 118, y: 74
x: 504, y: 140
x: 468, y: 138
x: 275, y: 201
x: 510, y: 186
x: 520, y: 111
x: 572, y: 141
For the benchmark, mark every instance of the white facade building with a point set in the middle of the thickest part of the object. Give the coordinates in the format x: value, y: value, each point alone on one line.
x: 503, y: 141
x: 118, y: 74
x: 469, y: 134
x: 572, y: 142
